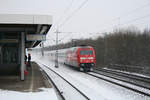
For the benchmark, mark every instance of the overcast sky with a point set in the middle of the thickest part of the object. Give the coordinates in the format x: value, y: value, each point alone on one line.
x: 95, y: 16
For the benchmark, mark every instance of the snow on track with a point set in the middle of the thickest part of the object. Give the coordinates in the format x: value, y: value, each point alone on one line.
x: 143, y: 90
x: 67, y: 90
x: 132, y: 73
x: 95, y: 88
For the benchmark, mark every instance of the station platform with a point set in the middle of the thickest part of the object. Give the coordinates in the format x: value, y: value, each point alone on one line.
x: 32, y: 83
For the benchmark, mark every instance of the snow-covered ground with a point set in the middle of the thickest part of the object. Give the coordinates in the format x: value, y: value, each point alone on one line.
x: 46, y: 94
x: 96, y: 89
x: 123, y: 83
x: 137, y: 74
x: 63, y: 86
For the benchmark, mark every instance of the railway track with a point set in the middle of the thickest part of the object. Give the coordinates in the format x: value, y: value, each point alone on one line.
x: 133, y: 79
x: 53, y: 84
x: 74, y: 92
x: 121, y: 81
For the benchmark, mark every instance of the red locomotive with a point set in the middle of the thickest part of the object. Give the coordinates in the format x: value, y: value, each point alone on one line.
x: 81, y: 57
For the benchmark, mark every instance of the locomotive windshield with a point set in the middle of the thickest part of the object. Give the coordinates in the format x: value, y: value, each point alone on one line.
x: 86, y: 52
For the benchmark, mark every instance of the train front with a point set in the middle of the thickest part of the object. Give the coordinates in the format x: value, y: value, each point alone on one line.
x: 86, y: 58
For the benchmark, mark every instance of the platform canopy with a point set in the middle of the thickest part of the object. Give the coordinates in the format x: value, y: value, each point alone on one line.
x: 13, y: 24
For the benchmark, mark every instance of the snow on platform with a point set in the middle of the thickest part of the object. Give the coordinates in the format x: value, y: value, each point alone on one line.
x: 46, y: 94
x: 33, y: 88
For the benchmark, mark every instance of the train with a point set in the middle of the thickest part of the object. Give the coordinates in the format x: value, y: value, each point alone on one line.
x: 79, y: 57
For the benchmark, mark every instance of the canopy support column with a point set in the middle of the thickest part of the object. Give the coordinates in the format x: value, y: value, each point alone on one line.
x: 22, y: 55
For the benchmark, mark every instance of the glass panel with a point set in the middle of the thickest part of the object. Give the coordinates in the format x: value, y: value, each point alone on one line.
x: 86, y: 52
x: 10, y: 55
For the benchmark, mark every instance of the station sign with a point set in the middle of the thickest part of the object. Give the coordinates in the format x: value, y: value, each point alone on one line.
x: 36, y: 37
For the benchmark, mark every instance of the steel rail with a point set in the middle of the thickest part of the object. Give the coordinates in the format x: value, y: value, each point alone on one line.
x: 49, y: 78
x: 104, y: 72
x: 67, y: 82
x: 119, y: 84
x: 141, y: 78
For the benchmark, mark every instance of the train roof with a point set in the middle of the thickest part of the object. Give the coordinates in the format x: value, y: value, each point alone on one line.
x: 81, y: 46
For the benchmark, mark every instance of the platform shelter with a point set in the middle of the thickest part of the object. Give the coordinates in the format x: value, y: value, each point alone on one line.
x: 18, y: 32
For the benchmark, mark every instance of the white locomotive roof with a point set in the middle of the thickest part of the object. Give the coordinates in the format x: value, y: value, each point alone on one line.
x: 82, y: 47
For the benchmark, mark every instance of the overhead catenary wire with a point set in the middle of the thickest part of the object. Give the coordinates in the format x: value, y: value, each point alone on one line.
x: 73, y: 13
x: 118, y: 18
x: 123, y: 15
x: 130, y: 21
x: 64, y: 12
x: 136, y: 19
x: 135, y: 10
x: 127, y: 14
x: 131, y: 12
x: 80, y: 6
x: 68, y: 33
x: 55, y: 26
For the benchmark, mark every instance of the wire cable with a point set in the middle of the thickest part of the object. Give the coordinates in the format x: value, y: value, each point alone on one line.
x: 136, y: 19
x: 128, y: 13
x: 73, y: 13
x: 65, y: 11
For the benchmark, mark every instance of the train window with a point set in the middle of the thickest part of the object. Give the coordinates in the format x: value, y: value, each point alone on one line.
x: 86, y: 52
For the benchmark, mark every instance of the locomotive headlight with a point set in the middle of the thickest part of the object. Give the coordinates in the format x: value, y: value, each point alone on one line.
x: 82, y: 58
